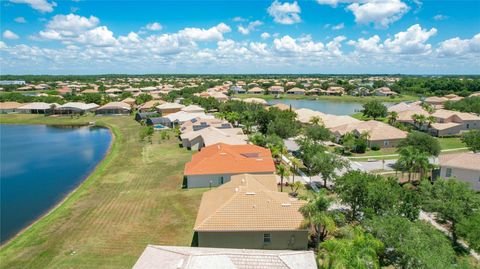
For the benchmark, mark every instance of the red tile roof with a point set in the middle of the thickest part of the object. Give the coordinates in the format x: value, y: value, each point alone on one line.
x: 230, y: 159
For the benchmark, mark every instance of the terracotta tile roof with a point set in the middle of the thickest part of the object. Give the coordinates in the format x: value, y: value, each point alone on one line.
x: 176, y: 257
x: 249, y: 203
x: 465, y: 160
x: 230, y: 159
x: 10, y: 105
x: 377, y: 130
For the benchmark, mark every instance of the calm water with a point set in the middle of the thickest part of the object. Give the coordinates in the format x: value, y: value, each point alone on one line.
x: 39, y: 165
x: 325, y: 106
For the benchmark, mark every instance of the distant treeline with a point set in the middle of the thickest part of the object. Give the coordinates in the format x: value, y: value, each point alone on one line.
x: 437, y: 86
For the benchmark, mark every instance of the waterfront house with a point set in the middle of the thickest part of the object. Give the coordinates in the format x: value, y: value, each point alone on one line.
x: 9, y: 107
x: 276, y: 89
x: 75, y: 108
x: 237, y: 89
x: 335, y: 90
x: 296, y: 91
x: 255, y: 101
x: 379, y: 134
x: 145, y: 115
x: 176, y: 257
x: 463, y: 166
x: 169, y: 108
x: 114, y: 108
x: 384, y: 91
x: 37, y: 108
x: 249, y: 212
x: 215, y: 164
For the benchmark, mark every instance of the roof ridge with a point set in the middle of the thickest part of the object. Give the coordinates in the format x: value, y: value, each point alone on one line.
x: 218, y: 209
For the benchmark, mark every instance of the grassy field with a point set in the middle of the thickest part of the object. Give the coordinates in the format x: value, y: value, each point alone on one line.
x: 451, y: 143
x: 132, y: 199
x: 345, y: 98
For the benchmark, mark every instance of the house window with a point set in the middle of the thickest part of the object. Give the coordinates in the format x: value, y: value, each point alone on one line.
x: 449, y: 172
x: 468, y: 125
x: 267, y: 239
x: 385, y: 143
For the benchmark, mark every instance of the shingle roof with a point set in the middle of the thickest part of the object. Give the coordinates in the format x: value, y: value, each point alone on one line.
x: 465, y: 160
x: 248, y: 203
x: 230, y: 159
x: 174, y: 257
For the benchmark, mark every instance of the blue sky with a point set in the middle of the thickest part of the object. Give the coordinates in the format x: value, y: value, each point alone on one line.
x: 322, y: 36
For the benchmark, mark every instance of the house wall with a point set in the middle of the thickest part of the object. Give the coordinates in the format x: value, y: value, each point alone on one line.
x: 470, y: 176
x: 203, y: 181
x: 391, y: 143
x: 296, y: 240
x: 449, y: 132
x: 165, y: 112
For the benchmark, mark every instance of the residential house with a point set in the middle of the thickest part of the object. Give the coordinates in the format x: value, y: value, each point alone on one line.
x: 463, y: 166
x: 199, y: 123
x: 114, y: 108
x: 237, y: 89
x: 129, y: 100
x: 249, y: 212
x: 169, y: 108
x: 145, y: 115
x: 180, y: 117
x: 449, y: 123
x: 435, y: 101
x: 175, y: 257
x: 195, y: 140
x: 296, y: 91
x: 193, y: 109
x: 384, y: 91
x: 9, y: 107
x: 75, y: 108
x: 276, y: 89
x: 255, y: 90
x: 37, y: 108
x: 215, y: 164
x: 150, y: 105
x: 255, y: 101
x: 379, y: 133
x: 335, y: 90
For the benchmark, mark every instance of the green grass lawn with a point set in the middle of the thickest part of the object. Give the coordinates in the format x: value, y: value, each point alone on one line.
x: 345, y: 98
x: 450, y: 143
x: 133, y: 198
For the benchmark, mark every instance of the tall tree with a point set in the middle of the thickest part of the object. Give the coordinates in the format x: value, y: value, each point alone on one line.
x: 283, y: 172
x: 327, y: 165
x: 421, y: 141
x: 374, y: 109
x: 472, y: 140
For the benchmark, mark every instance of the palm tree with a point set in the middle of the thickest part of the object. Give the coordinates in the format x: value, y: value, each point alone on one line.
x: 317, y: 217
x: 430, y: 120
x: 406, y: 160
x: 296, y: 164
x: 282, y: 171
x: 315, y: 120
x: 392, y: 117
x: 421, y: 163
x: 419, y: 120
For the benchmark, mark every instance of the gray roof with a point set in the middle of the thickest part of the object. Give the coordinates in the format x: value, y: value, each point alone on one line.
x: 170, y: 257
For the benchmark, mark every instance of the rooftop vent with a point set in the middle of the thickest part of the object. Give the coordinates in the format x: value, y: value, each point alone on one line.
x: 250, y: 193
x: 286, y: 205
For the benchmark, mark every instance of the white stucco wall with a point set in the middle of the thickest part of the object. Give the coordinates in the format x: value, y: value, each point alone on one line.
x: 470, y: 176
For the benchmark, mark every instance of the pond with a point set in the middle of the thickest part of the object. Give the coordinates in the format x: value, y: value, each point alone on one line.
x: 325, y: 106
x: 41, y: 164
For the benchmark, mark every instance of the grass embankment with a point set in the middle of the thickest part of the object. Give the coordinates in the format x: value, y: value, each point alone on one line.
x: 344, y: 98
x: 132, y: 199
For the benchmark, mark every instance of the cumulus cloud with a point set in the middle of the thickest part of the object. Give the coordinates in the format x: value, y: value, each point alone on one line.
x: 99, y: 36
x: 7, y: 34
x: 412, y: 41
x: 265, y: 35
x: 370, y: 45
x: 250, y: 27
x: 338, y: 26
x: 379, y: 12
x: 20, y: 20
x: 289, y: 45
x: 40, y: 5
x: 212, y: 34
x: 71, y: 24
x: 459, y: 47
x: 154, y: 26
x: 286, y: 13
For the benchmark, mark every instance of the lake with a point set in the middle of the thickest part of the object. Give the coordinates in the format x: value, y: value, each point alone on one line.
x: 325, y: 106
x: 39, y: 165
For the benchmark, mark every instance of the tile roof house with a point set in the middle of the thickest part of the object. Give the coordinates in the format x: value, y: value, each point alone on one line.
x: 9, y: 107
x: 379, y: 133
x: 384, y: 91
x: 175, y: 257
x: 168, y: 108
x: 249, y: 212
x: 114, y: 108
x: 216, y: 164
x: 199, y: 123
x: 463, y: 166
x: 75, y: 108
x: 37, y: 108
x: 208, y: 136
x: 296, y: 90
x: 450, y: 123
x: 276, y: 89
x: 255, y: 90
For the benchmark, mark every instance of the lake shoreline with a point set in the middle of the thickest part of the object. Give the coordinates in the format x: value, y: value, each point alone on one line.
x: 339, y: 99
x: 70, y: 193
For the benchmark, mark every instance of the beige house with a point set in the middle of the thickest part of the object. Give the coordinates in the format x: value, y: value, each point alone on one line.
x: 176, y: 257
x: 450, y: 123
x: 169, y: 108
x: 462, y: 166
x: 255, y: 90
x: 379, y: 133
x: 276, y: 89
x: 114, y: 108
x: 9, y: 107
x: 296, y: 91
x: 384, y: 91
x: 195, y: 140
x: 249, y: 212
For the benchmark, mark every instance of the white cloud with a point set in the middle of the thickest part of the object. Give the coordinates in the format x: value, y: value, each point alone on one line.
x: 370, y: 45
x: 71, y: 24
x: 250, y: 27
x: 379, y: 12
x: 303, y: 45
x: 212, y: 34
x: 332, y: 3
x: 265, y: 35
x: 412, y: 41
x: 440, y: 17
x: 154, y: 26
x: 338, y: 26
x: 10, y: 35
x: 20, y: 20
x: 334, y: 46
x: 238, y: 19
x: 99, y: 36
x: 286, y: 13
x: 459, y: 47
x: 40, y: 5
